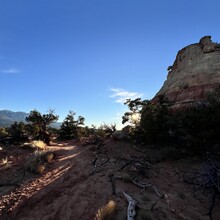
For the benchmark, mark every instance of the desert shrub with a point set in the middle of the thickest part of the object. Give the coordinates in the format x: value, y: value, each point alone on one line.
x: 193, y: 130
x: 34, y: 145
x: 149, y: 121
x: 36, y: 162
x: 106, y: 130
x: 154, y: 124
x: 3, y: 132
x: 18, y: 132
x: 41, y: 123
x: 32, y: 130
x: 38, y: 144
x: 197, y: 128
x: 70, y: 128
x: 100, y: 133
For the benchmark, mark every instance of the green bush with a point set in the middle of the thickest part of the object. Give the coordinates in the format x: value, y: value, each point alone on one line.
x: 18, y: 132
x: 3, y: 132
x: 155, y: 122
x: 193, y: 130
x: 70, y: 128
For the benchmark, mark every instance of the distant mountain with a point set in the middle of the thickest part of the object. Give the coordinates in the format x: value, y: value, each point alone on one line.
x: 56, y: 125
x: 7, y: 117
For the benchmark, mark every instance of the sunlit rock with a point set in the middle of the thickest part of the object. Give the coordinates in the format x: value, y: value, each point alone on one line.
x: 194, y: 73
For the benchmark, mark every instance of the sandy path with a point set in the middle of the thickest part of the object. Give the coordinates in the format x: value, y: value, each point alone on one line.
x: 64, y: 192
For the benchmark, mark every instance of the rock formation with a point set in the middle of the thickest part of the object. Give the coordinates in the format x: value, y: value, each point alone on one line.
x: 194, y: 73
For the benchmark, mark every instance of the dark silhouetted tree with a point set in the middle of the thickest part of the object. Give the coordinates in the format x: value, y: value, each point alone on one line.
x: 70, y: 128
x: 42, y: 121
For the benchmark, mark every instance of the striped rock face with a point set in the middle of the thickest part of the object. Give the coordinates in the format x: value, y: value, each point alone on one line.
x: 194, y: 73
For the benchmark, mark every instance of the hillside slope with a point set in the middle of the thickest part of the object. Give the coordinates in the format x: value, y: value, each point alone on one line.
x: 7, y: 117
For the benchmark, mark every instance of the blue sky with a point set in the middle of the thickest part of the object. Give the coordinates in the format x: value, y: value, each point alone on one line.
x: 89, y: 55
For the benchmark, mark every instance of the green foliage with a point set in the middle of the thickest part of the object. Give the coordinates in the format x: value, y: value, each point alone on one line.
x: 193, y: 130
x: 154, y: 124
x: 198, y: 126
x: 135, y: 110
x: 32, y: 130
x: 18, y: 132
x: 40, y: 123
x: 3, y: 132
x: 36, y: 159
x: 106, y: 130
x: 70, y: 128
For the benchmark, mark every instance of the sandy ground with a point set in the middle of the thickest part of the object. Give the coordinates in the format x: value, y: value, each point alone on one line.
x: 72, y: 188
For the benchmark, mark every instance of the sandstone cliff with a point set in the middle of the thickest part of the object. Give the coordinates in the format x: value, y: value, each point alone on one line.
x: 195, y: 71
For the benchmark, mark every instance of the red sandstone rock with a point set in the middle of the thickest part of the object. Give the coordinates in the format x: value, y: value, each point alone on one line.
x: 194, y: 73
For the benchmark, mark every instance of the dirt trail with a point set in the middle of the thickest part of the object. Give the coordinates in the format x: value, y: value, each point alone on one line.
x: 63, y: 192
x: 68, y: 191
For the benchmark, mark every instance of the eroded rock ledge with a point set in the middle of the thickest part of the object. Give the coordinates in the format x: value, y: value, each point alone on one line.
x: 194, y: 73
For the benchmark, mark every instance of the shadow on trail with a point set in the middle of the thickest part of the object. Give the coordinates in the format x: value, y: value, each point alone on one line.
x: 36, y: 193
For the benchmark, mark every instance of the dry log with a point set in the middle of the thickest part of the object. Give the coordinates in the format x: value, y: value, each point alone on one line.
x: 142, y: 185
x: 131, y: 206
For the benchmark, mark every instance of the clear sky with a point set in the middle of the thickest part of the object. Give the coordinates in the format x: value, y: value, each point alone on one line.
x: 90, y: 55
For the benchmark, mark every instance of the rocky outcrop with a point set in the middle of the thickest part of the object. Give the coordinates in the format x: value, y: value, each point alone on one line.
x: 194, y: 73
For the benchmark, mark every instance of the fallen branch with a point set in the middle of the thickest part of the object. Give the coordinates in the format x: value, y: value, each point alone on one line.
x: 135, y: 162
x: 96, y: 166
x: 157, y: 192
x: 153, y: 205
x: 131, y: 206
x: 93, y: 171
x: 142, y: 185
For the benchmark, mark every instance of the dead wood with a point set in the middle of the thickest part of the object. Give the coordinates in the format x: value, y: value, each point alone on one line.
x: 207, y: 181
x: 144, y: 185
x: 97, y: 166
x: 131, y: 206
x: 138, y: 163
x: 157, y: 192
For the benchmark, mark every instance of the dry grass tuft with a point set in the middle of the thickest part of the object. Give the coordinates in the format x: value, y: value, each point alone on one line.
x: 39, y: 145
x: 49, y: 157
x: 4, y: 161
x: 107, y: 212
x: 35, y: 160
